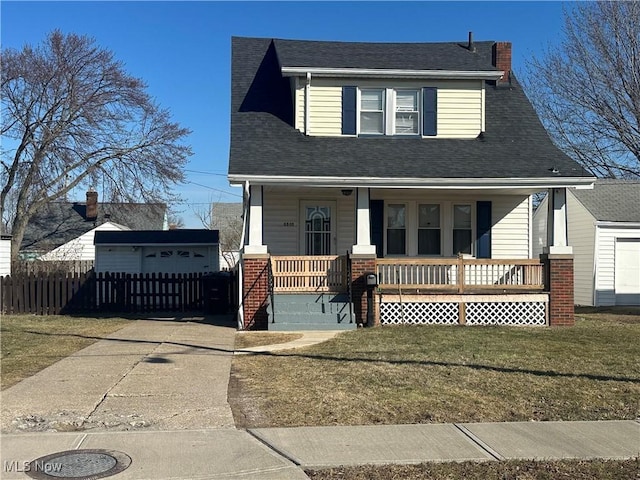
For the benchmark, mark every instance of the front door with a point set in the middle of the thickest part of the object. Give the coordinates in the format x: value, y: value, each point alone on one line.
x: 318, y: 228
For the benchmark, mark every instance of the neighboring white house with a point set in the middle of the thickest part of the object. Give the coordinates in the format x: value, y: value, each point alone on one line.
x: 157, y: 251
x: 65, y: 230
x: 5, y: 255
x: 82, y: 247
x: 604, y: 230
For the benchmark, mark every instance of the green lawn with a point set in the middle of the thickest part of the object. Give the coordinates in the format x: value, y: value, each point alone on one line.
x: 29, y: 343
x: 433, y: 374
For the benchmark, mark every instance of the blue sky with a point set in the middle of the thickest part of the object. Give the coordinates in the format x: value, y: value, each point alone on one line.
x: 182, y: 50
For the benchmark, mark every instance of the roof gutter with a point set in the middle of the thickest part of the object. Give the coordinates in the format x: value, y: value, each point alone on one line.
x: 156, y: 244
x: 439, y: 183
x: 608, y: 223
x: 392, y: 73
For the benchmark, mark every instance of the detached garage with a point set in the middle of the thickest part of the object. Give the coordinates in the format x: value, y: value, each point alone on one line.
x: 157, y: 251
x: 604, y: 230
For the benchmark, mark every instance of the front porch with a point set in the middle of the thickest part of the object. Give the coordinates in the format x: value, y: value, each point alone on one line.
x: 408, y: 239
x: 324, y: 292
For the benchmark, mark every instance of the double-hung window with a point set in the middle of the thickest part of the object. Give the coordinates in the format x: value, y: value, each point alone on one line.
x: 396, y: 229
x: 389, y: 111
x: 372, y: 103
x: 429, y: 229
x: 462, y: 229
x: 407, y: 113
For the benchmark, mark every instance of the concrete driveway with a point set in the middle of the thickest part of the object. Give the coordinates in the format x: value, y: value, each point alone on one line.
x: 155, y: 374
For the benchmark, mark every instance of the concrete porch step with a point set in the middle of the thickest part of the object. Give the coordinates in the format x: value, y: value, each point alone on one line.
x: 333, y: 318
x: 292, y: 327
x: 309, y: 312
x: 287, y: 306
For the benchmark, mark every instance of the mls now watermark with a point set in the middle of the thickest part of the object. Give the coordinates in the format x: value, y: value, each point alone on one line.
x: 15, y: 466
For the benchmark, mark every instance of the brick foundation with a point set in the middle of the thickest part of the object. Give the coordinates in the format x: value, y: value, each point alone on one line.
x: 360, y: 266
x: 559, y: 281
x: 255, y: 291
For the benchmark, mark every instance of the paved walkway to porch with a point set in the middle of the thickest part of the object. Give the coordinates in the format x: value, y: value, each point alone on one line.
x: 309, y: 337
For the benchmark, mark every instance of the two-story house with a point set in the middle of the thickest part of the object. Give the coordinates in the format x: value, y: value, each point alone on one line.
x: 413, y: 161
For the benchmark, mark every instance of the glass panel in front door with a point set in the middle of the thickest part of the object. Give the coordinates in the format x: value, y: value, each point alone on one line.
x: 317, y: 230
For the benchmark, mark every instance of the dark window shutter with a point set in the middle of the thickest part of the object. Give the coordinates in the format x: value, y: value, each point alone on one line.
x: 483, y: 229
x: 349, y: 110
x: 429, y: 111
x: 376, y: 218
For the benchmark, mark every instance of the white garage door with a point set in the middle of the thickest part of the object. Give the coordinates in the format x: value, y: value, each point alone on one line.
x: 176, y: 260
x: 627, y: 271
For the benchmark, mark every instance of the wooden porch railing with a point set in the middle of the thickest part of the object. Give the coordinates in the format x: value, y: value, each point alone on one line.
x: 326, y: 273
x: 460, y: 274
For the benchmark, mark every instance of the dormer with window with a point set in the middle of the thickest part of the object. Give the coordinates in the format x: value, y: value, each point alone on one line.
x: 408, y: 102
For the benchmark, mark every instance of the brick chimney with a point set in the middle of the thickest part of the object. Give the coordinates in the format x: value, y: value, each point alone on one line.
x: 92, y: 205
x: 502, y: 60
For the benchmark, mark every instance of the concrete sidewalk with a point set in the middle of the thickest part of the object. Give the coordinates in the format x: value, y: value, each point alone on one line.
x: 382, y: 444
x: 156, y: 391
x: 281, y: 453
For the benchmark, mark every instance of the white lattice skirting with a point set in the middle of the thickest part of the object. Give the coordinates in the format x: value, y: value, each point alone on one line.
x: 513, y: 310
x: 396, y: 313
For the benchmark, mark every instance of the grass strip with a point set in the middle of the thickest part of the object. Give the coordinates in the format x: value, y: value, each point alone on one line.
x: 30, y: 343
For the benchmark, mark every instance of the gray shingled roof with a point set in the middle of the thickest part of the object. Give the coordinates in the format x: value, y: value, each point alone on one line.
x: 612, y: 200
x: 153, y: 237
x: 60, y: 222
x: 264, y: 141
x: 400, y: 56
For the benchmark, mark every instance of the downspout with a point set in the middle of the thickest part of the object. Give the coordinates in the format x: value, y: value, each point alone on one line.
x: 307, y: 88
x: 245, y: 223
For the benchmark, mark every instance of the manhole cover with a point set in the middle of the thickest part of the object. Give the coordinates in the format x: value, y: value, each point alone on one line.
x: 79, y: 465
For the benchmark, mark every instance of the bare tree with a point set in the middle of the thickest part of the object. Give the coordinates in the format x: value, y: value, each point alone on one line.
x: 175, y: 221
x: 72, y: 116
x: 587, y: 89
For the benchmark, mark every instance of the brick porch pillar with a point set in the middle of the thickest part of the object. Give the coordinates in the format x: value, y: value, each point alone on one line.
x: 255, y: 291
x: 361, y: 264
x: 559, y: 282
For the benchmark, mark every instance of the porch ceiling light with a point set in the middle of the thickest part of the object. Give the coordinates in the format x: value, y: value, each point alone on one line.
x: 347, y: 191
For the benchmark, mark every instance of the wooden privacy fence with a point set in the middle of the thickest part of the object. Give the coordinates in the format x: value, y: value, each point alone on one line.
x: 65, y: 267
x: 52, y: 294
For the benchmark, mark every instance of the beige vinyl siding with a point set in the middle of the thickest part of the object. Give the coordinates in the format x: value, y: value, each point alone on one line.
x: 346, y: 223
x: 459, y: 110
x: 282, y: 223
x: 460, y: 104
x: 325, y: 114
x: 582, y: 237
x: 5, y: 256
x: 510, y: 218
x: 605, y: 280
x: 510, y: 232
x: 117, y: 259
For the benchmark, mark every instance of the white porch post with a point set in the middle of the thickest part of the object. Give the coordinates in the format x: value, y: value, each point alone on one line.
x: 254, y: 244
x: 557, y: 237
x: 363, y: 225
